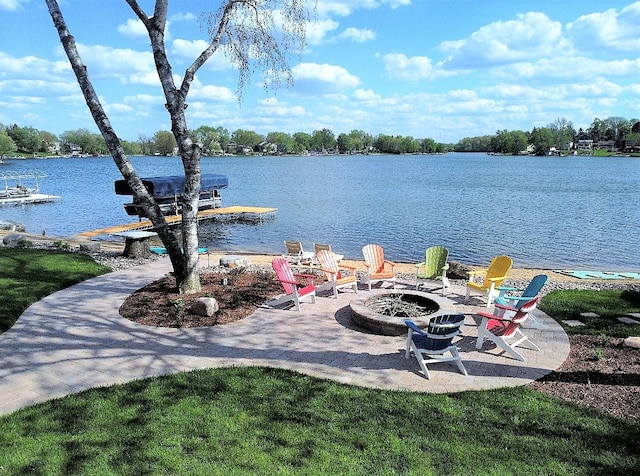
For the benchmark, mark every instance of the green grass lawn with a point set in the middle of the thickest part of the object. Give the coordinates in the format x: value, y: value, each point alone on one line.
x: 28, y: 275
x: 608, y: 304
x: 269, y: 421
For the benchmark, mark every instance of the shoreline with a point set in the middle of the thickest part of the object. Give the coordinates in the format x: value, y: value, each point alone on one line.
x: 260, y: 259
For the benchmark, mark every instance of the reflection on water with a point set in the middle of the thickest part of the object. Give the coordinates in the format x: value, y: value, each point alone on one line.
x: 548, y: 212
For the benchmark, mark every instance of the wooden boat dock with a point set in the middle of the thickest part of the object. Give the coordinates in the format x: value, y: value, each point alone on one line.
x: 234, y: 213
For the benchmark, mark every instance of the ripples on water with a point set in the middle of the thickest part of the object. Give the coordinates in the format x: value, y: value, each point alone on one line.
x: 546, y: 212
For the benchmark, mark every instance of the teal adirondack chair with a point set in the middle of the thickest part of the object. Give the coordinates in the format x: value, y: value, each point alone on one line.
x: 517, y: 297
x: 434, y: 267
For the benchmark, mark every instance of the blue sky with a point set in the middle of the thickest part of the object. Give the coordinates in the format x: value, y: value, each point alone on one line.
x: 441, y: 69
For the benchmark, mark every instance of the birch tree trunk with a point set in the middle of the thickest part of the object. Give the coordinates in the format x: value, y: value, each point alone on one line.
x: 243, y: 28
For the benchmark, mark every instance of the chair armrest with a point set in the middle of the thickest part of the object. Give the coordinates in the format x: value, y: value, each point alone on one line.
x: 412, y: 325
x: 509, y: 297
x: 330, y: 271
x: 446, y: 267
x: 390, y: 263
x: 419, y: 265
x: 504, y: 307
x: 499, y: 278
x: 476, y: 272
x: 350, y: 268
x: 507, y: 288
x: 488, y: 315
x: 308, y: 277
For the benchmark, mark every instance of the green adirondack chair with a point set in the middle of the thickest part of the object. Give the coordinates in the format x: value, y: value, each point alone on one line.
x: 433, y: 268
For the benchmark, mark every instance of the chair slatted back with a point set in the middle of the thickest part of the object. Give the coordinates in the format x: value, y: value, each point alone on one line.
x: 318, y: 247
x: 435, y: 259
x: 533, y: 288
x: 328, y: 262
x: 499, y: 266
x: 294, y: 248
x: 374, y: 257
x: 285, y: 274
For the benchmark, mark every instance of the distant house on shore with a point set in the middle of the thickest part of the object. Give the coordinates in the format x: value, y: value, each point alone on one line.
x: 606, y: 145
x: 74, y: 150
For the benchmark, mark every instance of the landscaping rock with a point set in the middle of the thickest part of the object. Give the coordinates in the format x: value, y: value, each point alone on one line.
x: 632, y: 342
x: 205, y: 306
x: 457, y: 270
x: 12, y: 240
x: 233, y: 261
x: 90, y: 247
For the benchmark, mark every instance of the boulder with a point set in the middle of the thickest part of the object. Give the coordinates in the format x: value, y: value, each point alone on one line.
x: 233, y: 261
x: 90, y: 247
x: 12, y: 240
x: 457, y: 270
x: 633, y: 342
x: 205, y: 306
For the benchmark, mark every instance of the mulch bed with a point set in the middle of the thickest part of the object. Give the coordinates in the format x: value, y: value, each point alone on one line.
x: 599, y: 373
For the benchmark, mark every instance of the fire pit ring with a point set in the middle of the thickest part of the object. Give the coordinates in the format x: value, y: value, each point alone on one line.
x: 363, y: 315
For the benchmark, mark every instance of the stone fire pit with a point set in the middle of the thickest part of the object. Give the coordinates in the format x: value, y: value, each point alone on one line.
x: 418, y: 306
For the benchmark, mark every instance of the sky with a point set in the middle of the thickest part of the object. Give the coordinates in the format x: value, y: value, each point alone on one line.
x: 440, y: 69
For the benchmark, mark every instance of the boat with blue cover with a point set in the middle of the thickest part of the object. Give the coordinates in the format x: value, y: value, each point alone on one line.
x: 168, y: 192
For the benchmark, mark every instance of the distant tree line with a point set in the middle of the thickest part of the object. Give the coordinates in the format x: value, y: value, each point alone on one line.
x: 560, y: 134
x: 618, y: 132
x: 216, y: 141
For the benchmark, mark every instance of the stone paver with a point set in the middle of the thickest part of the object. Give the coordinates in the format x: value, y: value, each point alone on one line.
x: 573, y: 322
x: 75, y: 339
x: 628, y: 320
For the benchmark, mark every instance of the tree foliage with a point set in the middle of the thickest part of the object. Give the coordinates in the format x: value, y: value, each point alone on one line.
x: 7, y: 144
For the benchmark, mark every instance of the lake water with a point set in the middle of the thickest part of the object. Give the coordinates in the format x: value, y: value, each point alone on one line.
x: 549, y: 212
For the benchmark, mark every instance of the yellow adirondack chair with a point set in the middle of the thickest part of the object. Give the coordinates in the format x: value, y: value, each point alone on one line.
x: 493, y: 277
x: 378, y: 268
x: 434, y: 267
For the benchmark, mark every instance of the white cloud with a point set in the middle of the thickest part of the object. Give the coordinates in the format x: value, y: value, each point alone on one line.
x: 529, y: 36
x: 317, y: 31
x: 316, y: 78
x: 327, y: 7
x: 359, y: 35
x: 365, y: 95
x: 133, y: 28
x: 209, y: 92
x: 106, y: 59
x: 188, y: 17
x: 412, y: 69
x: 612, y: 29
x: 274, y: 108
x: 11, y: 5
x: 191, y: 49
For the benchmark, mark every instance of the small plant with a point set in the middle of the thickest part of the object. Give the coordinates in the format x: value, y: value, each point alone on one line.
x: 605, y: 340
x: 61, y: 245
x: 178, y: 309
x: 597, y: 354
x: 23, y: 243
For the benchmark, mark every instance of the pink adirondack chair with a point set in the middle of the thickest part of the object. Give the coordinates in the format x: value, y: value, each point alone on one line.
x: 335, y: 273
x: 294, y: 291
x: 503, y: 328
x: 378, y: 268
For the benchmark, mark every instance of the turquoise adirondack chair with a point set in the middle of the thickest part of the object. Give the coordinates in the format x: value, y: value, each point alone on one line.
x: 434, y: 267
x: 515, y: 297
